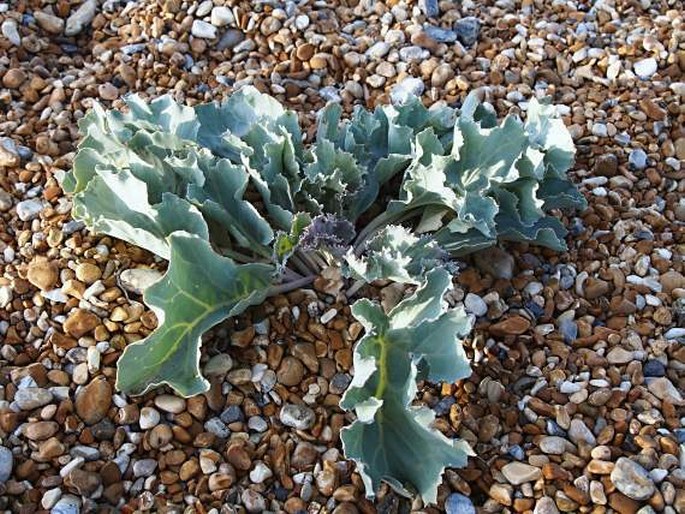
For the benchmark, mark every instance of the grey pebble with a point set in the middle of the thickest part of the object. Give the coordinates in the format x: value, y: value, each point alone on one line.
x: 299, y: 417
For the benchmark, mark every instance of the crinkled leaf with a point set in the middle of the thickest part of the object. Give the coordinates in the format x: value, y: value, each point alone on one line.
x: 199, y: 290
x: 391, y: 440
x: 395, y: 253
x: 115, y: 203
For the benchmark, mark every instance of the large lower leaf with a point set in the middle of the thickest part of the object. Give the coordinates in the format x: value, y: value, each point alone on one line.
x: 390, y: 440
x: 199, y: 290
x: 115, y: 203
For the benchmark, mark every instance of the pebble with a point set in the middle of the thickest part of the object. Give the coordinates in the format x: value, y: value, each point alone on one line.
x: 459, y: 504
x: 260, y: 473
x: 93, y: 401
x: 149, y: 418
x: 518, y: 473
x: 664, y: 389
x: 170, y: 403
x: 645, y: 68
x: 203, y: 30
x: 553, y: 445
x: 467, y: 30
x: 230, y: 40
x: 429, y: 8
x: 6, y: 464
x: 81, y: 18
x: 144, y: 467
x: 28, y: 210
x: 221, y: 16
x: 9, y: 30
x: 50, y: 497
x: 637, y: 159
x: 579, y: 432
x: 475, y: 305
x: 545, y: 505
x: 632, y: 479
x: 299, y: 417
x: 32, y: 397
x: 253, y: 501
x: 137, y: 280
x: 49, y: 22
x: 67, y: 504
x: 6, y: 200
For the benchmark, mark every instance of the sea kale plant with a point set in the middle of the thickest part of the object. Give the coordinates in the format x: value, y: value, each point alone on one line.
x: 242, y: 208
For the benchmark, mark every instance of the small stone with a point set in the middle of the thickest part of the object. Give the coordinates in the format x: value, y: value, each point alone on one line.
x: 32, y: 397
x: 475, y: 305
x: 260, y: 473
x: 578, y: 431
x: 672, y: 280
x: 467, y: 30
x: 84, y: 482
x: 221, y: 16
x: 632, y: 479
x: 645, y: 68
x: 230, y: 39
x: 664, y: 389
x: 149, y: 418
x: 597, y: 493
x: 144, y: 467
x: 545, y: 505
x: 87, y: 272
x: 80, y: 322
x: 203, y: 30
x: 514, y: 325
x: 81, y: 18
x: 40, y: 430
x: 459, y: 504
x: 290, y: 372
x: 618, y: 355
x: 299, y: 417
x: 218, y: 366
x: 49, y: 22
x: 29, y: 209
x: 429, y: 8
x: 93, y: 401
x: 253, y: 501
x: 553, y: 445
x: 170, y: 403
x: 595, y: 287
x: 9, y: 30
x: 50, y: 497
x: 606, y: 165
x: 378, y: 50
x: 13, y: 79
x: 6, y: 464
x: 501, y: 493
x: 637, y: 159
x: 67, y: 504
x: 518, y: 473
x: 653, y: 368
x: 220, y: 481
x: 6, y: 200
x: 42, y: 274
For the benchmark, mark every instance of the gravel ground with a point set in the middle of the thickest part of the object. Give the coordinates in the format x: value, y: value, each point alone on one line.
x: 576, y: 403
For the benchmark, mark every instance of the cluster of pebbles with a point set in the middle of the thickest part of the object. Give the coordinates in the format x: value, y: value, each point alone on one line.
x: 577, y: 399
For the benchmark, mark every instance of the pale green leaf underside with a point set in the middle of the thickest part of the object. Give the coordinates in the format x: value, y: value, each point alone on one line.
x: 199, y: 290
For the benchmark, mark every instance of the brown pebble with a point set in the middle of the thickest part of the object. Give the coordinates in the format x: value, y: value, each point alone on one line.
x: 94, y: 400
